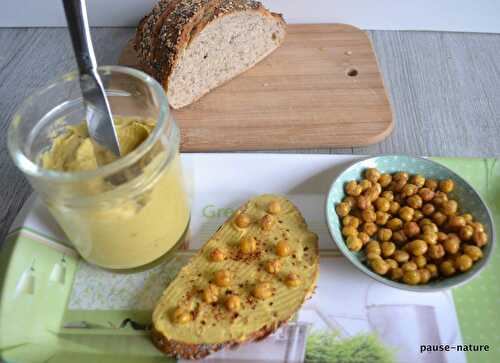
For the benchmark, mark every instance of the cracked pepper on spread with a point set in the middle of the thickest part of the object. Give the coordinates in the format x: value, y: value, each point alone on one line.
x: 127, y: 219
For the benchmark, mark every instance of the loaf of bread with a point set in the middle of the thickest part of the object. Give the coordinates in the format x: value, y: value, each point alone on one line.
x: 193, y: 46
x: 251, y: 277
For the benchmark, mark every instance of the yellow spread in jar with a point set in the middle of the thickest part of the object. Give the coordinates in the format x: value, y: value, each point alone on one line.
x: 123, y: 226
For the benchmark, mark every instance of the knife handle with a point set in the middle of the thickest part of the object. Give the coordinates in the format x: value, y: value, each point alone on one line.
x: 78, y: 26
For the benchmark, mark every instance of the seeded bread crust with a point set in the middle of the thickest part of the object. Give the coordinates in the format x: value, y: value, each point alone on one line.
x: 165, y: 33
x: 181, y: 350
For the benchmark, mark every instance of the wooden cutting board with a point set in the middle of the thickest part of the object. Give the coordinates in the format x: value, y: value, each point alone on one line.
x: 321, y: 88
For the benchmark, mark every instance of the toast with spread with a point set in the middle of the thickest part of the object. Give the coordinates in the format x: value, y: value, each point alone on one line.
x: 247, y: 280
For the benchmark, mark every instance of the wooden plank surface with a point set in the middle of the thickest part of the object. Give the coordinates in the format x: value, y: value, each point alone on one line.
x: 321, y: 88
x: 443, y: 88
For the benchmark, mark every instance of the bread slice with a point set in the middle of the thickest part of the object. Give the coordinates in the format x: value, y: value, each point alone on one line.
x: 188, y: 325
x: 193, y: 46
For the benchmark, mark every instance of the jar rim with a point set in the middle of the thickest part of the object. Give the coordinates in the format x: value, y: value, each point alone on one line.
x: 31, y: 168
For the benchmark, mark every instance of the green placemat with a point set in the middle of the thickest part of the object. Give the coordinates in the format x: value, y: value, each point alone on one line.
x: 478, y: 302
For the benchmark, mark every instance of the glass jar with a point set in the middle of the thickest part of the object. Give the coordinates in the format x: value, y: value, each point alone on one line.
x: 123, y: 214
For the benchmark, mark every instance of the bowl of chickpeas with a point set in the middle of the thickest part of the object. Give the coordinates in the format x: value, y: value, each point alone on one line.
x: 410, y: 223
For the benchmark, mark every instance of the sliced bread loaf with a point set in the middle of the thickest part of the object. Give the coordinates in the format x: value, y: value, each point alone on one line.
x: 250, y: 277
x: 193, y: 46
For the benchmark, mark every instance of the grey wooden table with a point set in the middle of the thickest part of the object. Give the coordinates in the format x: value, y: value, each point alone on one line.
x: 444, y: 88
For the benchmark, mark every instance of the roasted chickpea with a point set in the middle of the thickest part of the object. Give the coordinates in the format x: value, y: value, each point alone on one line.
x: 414, y: 201
x: 394, y: 207
x: 211, y: 294
x: 283, y: 248
x: 452, y: 243
x: 418, y: 215
x: 431, y: 184
x: 351, y: 187
x: 399, y: 237
x: 384, y: 234
x: 468, y: 218
x: 392, y: 263
x: 401, y: 256
x: 425, y: 275
x: 446, y: 185
x: 411, y: 277
x: 222, y: 278
x: 273, y: 266
x: 394, y: 224
x: 428, y: 209
x: 456, y: 222
x: 432, y: 268
x: 439, y: 218
x: 382, y: 204
x: 365, y: 184
x: 233, y: 303
x: 350, y: 200
x: 372, y: 175
x: 430, y: 237
x: 380, y: 266
x: 449, y: 207
x: 388, y: 248
x: 401, y: 176
x: 369, y: 228
x: 243, y: 220
x: 420, y: 261
x: 357, y: 191
x: 371, y: 193
x: 262, y: 290
x: 409, y: 190
x: 418, y: 247
x: 382, y: 218
x: 274, y: 207
x: 181, y: 316
x: 411, y: 229
x: 385, y: 180
x: 369, y: 215
x: 436, y: 251
x: 397, y: 185
x: 463, y: 263
x: 354, y: 243
x: 439, y: 198
x: 350, y: 221
x: 396, y: 274
x: 373, y: 247
x: 477, y: 226
x: 292, y: 280
x: 349, y: 231
x: 406, y: 213
x: 418, y: 180
x: 387, y: 194
x: 473, y: 252
x: 266, y: 223
x: 248, y: 245
x: 362, y: 202
x: 430, y: 228
x: 426, y: 194
x: 217, y: 255
x: 363, y: 237
x: 371, y: 256
x: 480, y: 238
x: 409, y: 266
x: 424, y: 222
x: 447, y: 268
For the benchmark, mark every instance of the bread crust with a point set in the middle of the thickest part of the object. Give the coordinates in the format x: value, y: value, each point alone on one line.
x: 165, y: 33
x: 184, y: 350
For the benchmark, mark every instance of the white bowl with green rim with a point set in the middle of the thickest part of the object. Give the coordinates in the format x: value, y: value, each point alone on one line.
x: 468, y: 199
